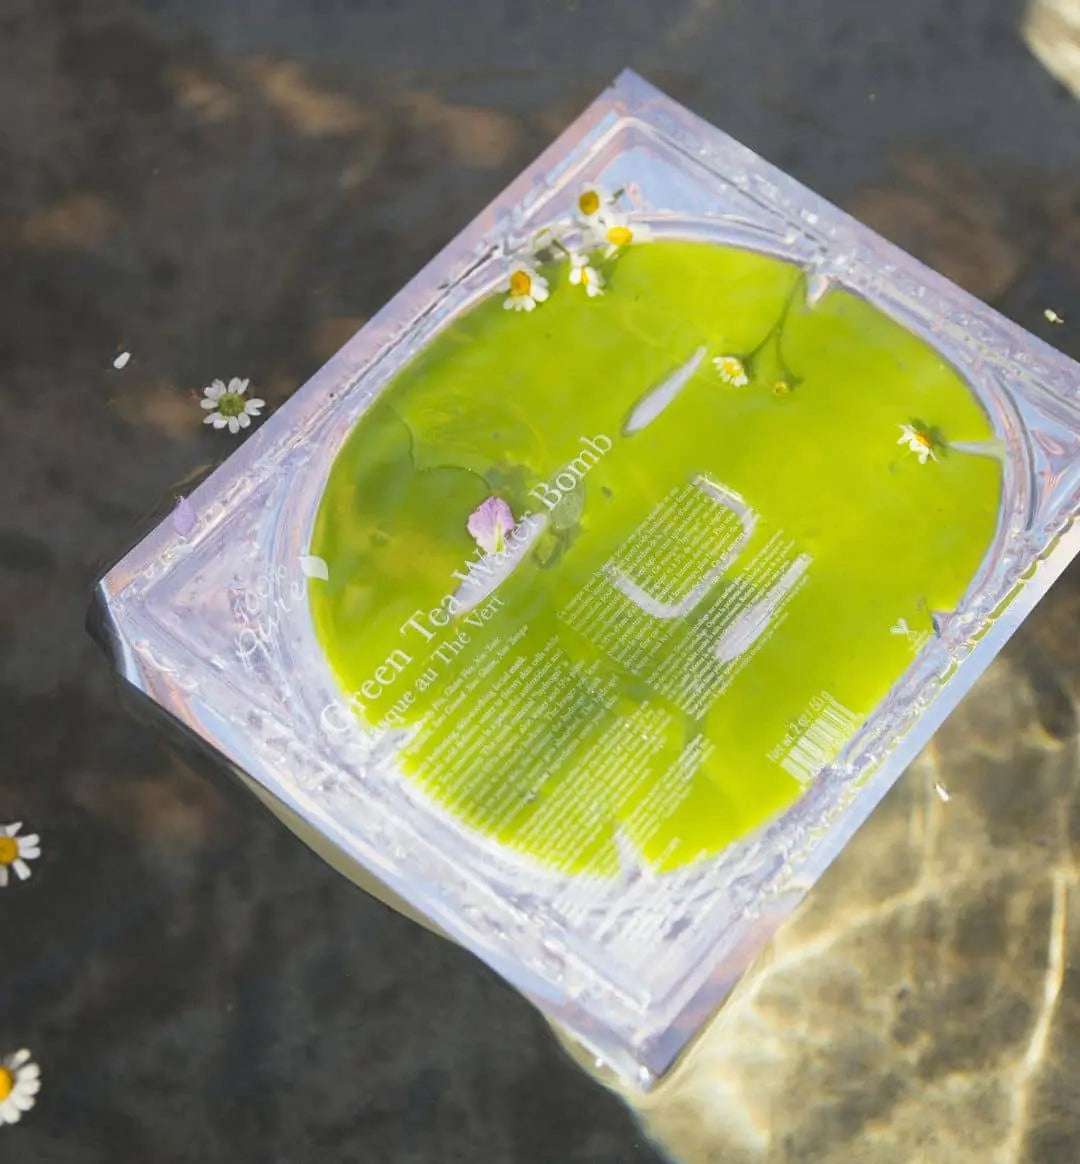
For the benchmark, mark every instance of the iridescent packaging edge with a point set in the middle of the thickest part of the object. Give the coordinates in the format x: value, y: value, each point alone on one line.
x: 211, y: 617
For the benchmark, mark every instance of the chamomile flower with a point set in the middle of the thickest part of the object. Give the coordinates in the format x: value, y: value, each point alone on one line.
x: 917, y: 442
x: 20, y: 1081
x: 525, y: 288
x: 15, y: 851
x: 594, y: 203
x: 582, y: 274
x: 732, y: 371
x: 229, y: 408
x: 616, y: 231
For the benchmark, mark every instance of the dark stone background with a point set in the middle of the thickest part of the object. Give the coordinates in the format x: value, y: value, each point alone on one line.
x: 230, y: 187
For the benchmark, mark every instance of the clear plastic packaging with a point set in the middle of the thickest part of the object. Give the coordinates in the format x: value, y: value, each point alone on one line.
x: 593, y: 630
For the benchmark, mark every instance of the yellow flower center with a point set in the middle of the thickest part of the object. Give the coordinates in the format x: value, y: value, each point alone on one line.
x: 520, y: 283
x: 619, y: 236
x: 584, y: 276
x: 230, y: 404
x: 7, y: 1083
x: 921, y: 439
x: 589, y: 202
x: 9, y: 850
x: 781, y: 387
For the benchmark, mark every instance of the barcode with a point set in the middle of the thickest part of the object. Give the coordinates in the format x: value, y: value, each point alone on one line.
x: 820, y: 743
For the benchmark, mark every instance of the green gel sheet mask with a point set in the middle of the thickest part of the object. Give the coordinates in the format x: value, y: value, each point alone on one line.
x: 690, y: 617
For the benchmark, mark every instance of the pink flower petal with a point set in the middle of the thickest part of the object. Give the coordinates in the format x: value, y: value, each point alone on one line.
x: 490, y: 523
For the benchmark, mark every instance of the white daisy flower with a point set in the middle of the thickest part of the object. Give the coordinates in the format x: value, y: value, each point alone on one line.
x: 229, y: 408
x: 593, y: 203
x: 525, y: 288
x: 731, y: 370
x: 15, y: 851
x: 616, y: 231
x: 584, y: 275
x: 918, y: 443
x: 20, y: 1081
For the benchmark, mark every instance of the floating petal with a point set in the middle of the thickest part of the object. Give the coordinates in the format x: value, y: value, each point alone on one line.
x: 490, y: 523
x: 312, y: 566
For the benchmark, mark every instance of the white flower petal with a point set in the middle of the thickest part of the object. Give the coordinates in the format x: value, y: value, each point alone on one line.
x: 215, y: 390
x: 30, y: 1072
x: 243, y: 420
x: 312, y: 566
x: 238, y: 386
x: 219, y: 420
x: 11, y: 829
x: 234, y: 424
x: 254, y: 406
x: 3, y: 876
x: 30, y: 839
x: 206, y: 402
x: 30, y: 852
x: 21, y: 1100
x: 22, y: 870
x: 19, y: 1058
x: 9, y: 1113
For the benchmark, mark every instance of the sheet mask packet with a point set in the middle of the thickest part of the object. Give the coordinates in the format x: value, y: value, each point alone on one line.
x: 590, y: 598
